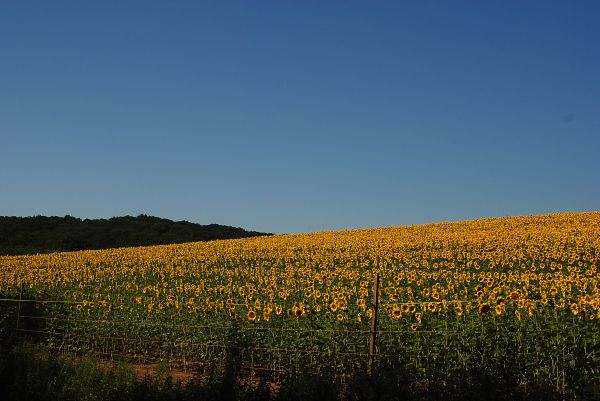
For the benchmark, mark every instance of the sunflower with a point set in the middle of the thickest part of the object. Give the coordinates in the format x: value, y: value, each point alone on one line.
x: 484, y: 308
x: 251, y: 315
x: 575, y: 308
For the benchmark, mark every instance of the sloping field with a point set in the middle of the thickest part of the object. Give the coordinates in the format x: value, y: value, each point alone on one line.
x: 519, y: 290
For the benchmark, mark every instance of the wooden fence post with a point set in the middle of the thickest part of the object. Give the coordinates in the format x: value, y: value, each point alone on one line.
x: 373, y: 325
x: 19, y: 310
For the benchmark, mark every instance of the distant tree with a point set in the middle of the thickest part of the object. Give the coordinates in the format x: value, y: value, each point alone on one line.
x: 23, y: 235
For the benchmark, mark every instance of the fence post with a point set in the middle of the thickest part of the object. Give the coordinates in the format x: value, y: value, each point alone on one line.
x: 373, y: 325
x: 19, y: 310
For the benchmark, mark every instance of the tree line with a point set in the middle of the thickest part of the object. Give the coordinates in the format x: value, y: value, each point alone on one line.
x: 41, y: 234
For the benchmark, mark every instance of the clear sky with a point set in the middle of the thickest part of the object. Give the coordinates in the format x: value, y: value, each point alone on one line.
x: 296, y: 116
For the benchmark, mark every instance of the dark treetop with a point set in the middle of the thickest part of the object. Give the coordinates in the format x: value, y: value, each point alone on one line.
x: 39, y: 234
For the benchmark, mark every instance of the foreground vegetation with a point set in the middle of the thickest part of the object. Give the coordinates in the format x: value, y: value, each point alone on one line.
x: 36, y: 373
x: 514, y: 299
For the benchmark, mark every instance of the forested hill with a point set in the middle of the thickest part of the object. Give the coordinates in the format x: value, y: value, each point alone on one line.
x: 40, y: 234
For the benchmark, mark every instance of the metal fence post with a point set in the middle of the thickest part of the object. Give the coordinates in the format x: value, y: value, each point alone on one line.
x: 373, y: 325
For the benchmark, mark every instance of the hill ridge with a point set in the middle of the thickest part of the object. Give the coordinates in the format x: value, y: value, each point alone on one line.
x: 45, y: 234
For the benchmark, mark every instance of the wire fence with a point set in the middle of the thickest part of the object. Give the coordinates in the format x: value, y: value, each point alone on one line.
x: 191, y: 345
x: 278, y: 350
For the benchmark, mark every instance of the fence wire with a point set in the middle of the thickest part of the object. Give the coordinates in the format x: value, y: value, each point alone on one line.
x: 71, y: 333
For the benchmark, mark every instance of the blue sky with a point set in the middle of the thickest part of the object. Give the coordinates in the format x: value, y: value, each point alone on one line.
x: 299, y: 116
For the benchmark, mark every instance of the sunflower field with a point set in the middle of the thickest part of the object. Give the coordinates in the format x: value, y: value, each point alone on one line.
x: 522, y: 292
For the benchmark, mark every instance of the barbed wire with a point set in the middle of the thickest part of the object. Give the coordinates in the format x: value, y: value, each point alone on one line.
x: 223, y: 346
x: 179, y: 345
x: 224, y: 327
x: 47, y: 301
x: 226, y: 304
x: 125, y: 322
